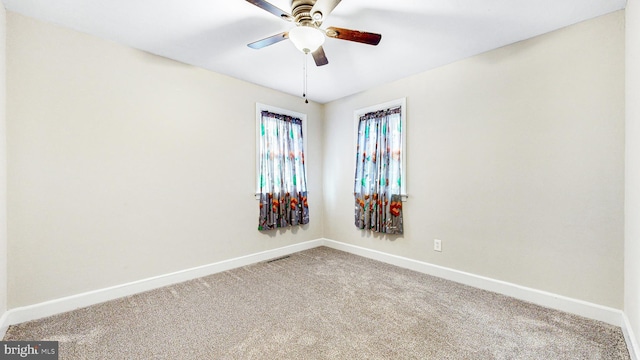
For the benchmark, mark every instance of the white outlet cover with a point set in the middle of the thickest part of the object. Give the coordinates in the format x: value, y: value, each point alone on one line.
x: 437, y: 245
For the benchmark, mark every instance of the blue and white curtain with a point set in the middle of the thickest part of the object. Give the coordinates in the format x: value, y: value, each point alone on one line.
x: 378, y: 178
x: 282, y: 178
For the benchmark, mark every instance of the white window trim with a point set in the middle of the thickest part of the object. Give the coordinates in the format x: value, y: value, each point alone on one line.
x: 259, y: 109
x: 402, y: 103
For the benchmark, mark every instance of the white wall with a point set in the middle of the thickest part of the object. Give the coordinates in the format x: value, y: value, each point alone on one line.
x: 632, y: 166
x: 3, y: 163
x: 515, y: 161
x: 123, y: 165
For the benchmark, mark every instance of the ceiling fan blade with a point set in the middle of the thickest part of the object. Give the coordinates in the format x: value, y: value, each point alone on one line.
x: 323, y: 8
x: 354, y: 35
x: 319, y: 57
x: 272, y: 9
x: 269, y: 41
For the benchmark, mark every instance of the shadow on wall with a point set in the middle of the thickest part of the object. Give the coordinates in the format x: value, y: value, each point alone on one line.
x: 281, y: 231
x: 368, y: 234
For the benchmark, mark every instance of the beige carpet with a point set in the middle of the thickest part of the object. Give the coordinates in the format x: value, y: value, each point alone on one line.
x: 319, y: 304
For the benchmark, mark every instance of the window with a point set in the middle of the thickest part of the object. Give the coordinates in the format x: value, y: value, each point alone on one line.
x: 281, y: 180
x: 379, y: 183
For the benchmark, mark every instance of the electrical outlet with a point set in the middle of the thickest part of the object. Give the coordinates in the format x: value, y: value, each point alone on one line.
x: 437, y: 245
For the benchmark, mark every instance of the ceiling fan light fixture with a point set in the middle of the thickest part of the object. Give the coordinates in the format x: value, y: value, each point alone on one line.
x: 306, y: 38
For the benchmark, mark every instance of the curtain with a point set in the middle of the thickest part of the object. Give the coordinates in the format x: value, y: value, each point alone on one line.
x: 378, y: 178
x: 282, y: 178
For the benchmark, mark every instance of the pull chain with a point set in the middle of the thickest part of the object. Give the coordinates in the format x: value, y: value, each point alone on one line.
x: 304, y: 78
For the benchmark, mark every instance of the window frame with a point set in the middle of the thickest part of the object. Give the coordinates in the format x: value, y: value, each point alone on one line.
x: 303, y: 117
x: 402, y: 103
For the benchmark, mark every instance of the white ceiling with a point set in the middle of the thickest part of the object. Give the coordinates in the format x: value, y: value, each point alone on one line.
x: 416, y: 35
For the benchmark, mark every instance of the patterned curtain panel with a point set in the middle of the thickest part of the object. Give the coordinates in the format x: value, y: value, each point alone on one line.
x: 378, y: 180
x: 282, y: 181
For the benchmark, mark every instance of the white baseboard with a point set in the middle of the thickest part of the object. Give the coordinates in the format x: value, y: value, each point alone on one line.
x: 630, y: 339
x: 546, y: 299
x: 57, y: 306
x: 4, y: 325
x: 542, y: 298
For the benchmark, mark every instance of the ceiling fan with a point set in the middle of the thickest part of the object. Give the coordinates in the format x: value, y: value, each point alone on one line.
x: 307, y: 36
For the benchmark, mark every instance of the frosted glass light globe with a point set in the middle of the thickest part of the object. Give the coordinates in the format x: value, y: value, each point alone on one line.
x: 306, y: 38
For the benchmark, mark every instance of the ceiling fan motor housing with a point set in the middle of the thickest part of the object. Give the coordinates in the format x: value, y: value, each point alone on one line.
x: 301, y: 11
